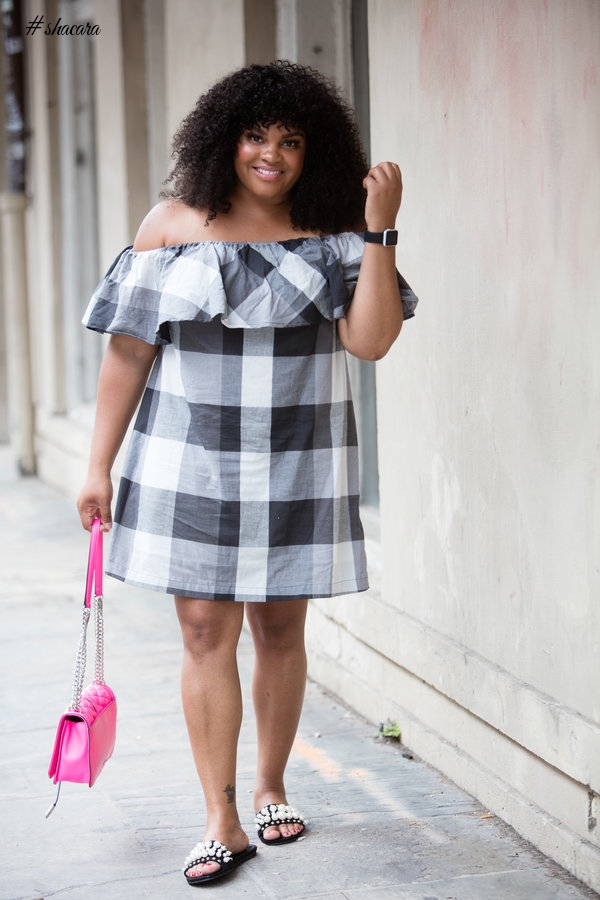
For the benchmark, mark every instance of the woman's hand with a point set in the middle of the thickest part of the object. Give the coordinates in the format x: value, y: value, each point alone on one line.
x: 383, y: 185
x: 95, y: 501
x: 374, y: 319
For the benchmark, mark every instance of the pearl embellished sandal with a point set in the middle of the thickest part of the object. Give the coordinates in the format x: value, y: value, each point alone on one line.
x: 279, y: 814
x: 215, y: 851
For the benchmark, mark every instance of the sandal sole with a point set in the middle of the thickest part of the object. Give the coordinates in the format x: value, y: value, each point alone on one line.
x: 238, y: 859
x: 281, y: 840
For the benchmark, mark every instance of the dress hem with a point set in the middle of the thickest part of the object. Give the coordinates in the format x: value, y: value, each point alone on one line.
x: 241, y: 597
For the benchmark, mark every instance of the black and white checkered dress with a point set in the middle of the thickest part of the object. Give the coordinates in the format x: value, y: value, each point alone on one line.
x: 241, y: 478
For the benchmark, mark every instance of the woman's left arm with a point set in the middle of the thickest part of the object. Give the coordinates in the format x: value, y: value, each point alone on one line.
x: 374, y: 319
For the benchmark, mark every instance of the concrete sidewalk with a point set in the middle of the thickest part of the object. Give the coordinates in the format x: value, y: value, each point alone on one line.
x: 383, y: 825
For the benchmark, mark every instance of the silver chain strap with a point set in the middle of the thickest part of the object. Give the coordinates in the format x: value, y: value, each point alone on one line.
x: 99, y: 623
x: 81, y: 658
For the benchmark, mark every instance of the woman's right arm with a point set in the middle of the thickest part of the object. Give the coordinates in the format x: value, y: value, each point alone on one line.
x: 123, y: 376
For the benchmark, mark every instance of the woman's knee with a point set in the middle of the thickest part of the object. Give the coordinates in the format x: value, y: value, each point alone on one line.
x: 278, y: 627
x: 207, y: 625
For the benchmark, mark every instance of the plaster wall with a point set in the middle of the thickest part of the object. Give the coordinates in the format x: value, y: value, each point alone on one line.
x: 43, y: 230
x: 114, y: 226
x: 485, y: 637
x: 497, y: 125
x: 62, y: 432
x: 203, y: 42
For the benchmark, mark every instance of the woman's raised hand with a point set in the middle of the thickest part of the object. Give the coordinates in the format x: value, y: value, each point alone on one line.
x: 383, y: 185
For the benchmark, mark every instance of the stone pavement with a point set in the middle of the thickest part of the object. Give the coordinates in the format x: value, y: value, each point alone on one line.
x: 383, y: 825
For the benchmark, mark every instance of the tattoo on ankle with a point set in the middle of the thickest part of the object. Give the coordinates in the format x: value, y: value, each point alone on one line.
x: 230, y: 791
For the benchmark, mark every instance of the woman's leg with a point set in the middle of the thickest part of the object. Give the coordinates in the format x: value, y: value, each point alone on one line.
x: 278, y: 692
x: 212, y: 704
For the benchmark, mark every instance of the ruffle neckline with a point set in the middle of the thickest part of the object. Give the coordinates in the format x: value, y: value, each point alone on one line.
x: 245, y: 284
x: 288, y: 241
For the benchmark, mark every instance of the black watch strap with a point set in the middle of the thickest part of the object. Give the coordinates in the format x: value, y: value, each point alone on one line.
x: 389, y: 237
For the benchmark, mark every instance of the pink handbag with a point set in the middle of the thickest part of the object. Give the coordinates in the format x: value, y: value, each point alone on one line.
x: 85, y: 737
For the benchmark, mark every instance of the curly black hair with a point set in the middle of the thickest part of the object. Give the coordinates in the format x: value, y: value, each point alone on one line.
x: 327, y: 198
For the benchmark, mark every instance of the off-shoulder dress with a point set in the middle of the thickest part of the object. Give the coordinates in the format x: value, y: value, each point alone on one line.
x: 241, y: 477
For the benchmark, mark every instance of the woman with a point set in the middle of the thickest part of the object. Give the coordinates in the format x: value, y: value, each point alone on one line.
x: 237, y: 302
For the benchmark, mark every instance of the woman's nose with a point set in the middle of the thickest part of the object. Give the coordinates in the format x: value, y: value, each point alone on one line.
x: 270, y: 151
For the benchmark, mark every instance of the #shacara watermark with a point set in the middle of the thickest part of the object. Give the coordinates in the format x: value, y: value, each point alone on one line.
x: 82, y: 28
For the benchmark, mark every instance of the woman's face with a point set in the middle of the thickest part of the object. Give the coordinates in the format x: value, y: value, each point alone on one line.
x: 269, y: 161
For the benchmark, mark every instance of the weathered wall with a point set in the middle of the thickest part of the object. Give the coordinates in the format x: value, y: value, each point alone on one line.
x: 203, y: 43
x: 485, y: 641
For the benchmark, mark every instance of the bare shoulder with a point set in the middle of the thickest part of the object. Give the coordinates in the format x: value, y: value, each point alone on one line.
x: 152, y: 232
x: 169, y: 222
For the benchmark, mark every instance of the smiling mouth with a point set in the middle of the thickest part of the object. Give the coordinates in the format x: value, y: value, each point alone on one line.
x: 268, y: 172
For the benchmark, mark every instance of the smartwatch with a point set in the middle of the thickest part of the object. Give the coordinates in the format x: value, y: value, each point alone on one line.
x: 389, y: 237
